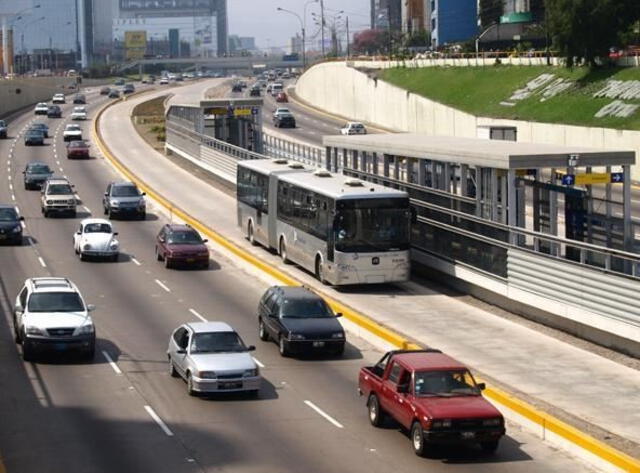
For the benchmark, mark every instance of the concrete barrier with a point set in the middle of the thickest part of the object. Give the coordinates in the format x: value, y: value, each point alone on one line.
x: 342, y: 90
x: 16, y: 94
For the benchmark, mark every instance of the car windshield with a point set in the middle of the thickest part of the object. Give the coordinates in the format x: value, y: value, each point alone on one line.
x: 73, y: 128
x: 2, y: 123
x: 59, y: 189
x: 39, y: 126
x: 79, y: 110
x: 124, y: 191
x: 217, y: 342
x: 77, y: 144
x: 445, y: 383
x: 39, y: 169
x: 8, y: 215
x: 97, y: 228
x: 370, y: 225
x: 31, y: 133
x: 305, y: 309
x: 184, y: 238
x: 55, y: 302
x: 282, y: 110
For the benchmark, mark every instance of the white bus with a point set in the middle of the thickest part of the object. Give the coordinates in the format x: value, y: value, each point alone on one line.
x: 343, y: 230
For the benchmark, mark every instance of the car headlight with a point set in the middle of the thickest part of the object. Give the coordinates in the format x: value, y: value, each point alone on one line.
x: 114, y: 244
x: 31, y: 330
x: 86, y: 330
x: 339, y: 335
x: 251, y: 373
x: 439, y: 424
x: 114, y: 203
x: 49, y: 202
x: 86, y: 246
x: 207, y: 375
x: 492, y: 422
x: 142, y: 204
x: 17, y: 229
x: 203, y: 253
x: 296, y: 336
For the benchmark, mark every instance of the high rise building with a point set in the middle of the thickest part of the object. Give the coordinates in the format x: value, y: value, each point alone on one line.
x: 413, y: 16
x: 453, y: 21
x: 203, y: 23
x: 387, y: 13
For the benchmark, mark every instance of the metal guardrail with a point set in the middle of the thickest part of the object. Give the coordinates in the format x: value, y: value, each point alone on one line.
x: 281, y: 148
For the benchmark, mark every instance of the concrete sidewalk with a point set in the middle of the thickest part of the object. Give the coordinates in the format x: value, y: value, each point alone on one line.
x: 549, y: 372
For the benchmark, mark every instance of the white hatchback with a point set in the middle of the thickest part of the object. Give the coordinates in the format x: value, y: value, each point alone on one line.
x: 79, y: 113
x: 95, y: 237
x: 353, y: 128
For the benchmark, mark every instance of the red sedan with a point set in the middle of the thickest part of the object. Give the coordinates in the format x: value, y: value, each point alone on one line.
x: 181, y: 245
x: 282, y: 97
x: 78, y: 149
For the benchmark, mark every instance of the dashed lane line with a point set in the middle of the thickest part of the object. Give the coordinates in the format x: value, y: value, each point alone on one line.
x: 324, y: 414
x: 136, y: 262
x: 158, y: 420
x: 42, y: 263
x: 194, y: 312
x: 111, y: 362
x: 162, y: 285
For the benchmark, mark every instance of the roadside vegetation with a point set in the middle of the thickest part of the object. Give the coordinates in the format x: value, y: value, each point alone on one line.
x: 148, y: 118
x: 488, y: 91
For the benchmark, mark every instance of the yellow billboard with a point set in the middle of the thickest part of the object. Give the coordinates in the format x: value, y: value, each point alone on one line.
x: 135, y: 44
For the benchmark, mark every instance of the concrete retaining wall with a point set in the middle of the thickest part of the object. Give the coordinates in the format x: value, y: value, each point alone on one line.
x: 345, y: 91
x: 19, y: 93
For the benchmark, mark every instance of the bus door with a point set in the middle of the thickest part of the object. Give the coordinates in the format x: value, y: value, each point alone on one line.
x: 272, y: 216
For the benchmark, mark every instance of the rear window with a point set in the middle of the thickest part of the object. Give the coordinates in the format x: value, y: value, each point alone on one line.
x: 55, y: 302
x: 38, y: 169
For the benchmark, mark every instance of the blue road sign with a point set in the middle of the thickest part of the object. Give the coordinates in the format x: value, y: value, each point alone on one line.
x: 254, y: 110
x: 617, y: 177
x: 568, y: 179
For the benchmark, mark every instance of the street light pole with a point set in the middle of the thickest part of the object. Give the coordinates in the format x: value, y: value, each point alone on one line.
x: 304, y: 56
x: 322, y: 24
x: 348, y: 38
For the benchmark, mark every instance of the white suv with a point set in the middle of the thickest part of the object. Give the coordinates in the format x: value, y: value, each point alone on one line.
x: 50, y: 313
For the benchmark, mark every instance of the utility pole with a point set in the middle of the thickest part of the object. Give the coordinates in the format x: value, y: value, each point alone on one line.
x: 77, y: 38
x: 348, y: 38
x: 322, y: 23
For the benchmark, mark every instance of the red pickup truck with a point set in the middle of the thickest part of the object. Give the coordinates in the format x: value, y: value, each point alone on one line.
x: 433, y: 396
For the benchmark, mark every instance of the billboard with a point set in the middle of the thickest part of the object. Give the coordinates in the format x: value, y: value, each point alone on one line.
x: 135, y: 44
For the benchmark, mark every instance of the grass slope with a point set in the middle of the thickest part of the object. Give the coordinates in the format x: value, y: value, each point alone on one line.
x: 479, y: 90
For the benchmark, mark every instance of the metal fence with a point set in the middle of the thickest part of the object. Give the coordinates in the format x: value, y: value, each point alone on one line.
x: 277, y: 147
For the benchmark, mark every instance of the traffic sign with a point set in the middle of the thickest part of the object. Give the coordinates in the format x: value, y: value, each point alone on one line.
x: 617, y: 177
x: 593, y: 178
x: 254, y: 110
x: 568, y: 179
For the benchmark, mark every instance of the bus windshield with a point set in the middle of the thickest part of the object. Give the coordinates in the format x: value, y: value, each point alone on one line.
x: 370, y: 225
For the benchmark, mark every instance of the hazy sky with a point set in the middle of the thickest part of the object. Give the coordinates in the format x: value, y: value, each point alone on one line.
x: 260, y: 19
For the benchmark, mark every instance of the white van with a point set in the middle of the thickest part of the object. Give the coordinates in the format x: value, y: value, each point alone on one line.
x: 276, y: 88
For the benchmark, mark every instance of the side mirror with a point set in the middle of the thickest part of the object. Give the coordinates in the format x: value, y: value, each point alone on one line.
x: 78, y: 232
x: 106, y: 194
x: 21, y: 219
x: 144, y: 193
x: 482, y: 386
x: 273, y: 314
x: 18, y: 309
x: 205, y: 241
x: 338, y: 314
x: 402, y: 388
x: 181, y: 351
x: 115, y: 233
x: 251, y: 348
x: 91, y: 307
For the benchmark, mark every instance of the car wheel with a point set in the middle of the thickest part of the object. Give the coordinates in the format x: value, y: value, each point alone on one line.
x: 167, y: 263
x: 172, y: 369
x: 490, y: 447
x: 27, y: 350
x: 190, y: 390
x: 16, y: 332
x: 376, y: 414
x: 46, y: 213
x: 282, y: 346
x: 105, y: 210
x: 114, y: 258
x: 320, y: 271
x: 283, y: 252
x: 262, y: 331
x: 142, y: 216
x: 250, y: 236
x: 158, y: 255
x: 417, y: 439
x: 90, y: 352
x: 73, y: 214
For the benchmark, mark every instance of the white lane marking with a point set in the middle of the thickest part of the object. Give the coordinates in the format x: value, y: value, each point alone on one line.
x: 87, y: 208
x: 258, y: 362
x: 60, y: 168
x: 42, y: 263
x: 13, y: 197
x: 112, y: 363
x: 162, y: 285
x: 31, y: 241
x: 10, y: 186
x: 135, y: 261
x: 158, y: 420
x: 194, y: 312
x: 324, y: 414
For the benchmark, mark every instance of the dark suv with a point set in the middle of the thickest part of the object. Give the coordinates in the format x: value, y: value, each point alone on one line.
x: 124, y: 198
x: 35, y: 174
x: 299, y: 321
x: 284, y: 120
x: 54, y: 112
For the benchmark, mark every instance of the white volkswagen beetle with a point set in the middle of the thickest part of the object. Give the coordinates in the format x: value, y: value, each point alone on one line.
x: 95, y: 237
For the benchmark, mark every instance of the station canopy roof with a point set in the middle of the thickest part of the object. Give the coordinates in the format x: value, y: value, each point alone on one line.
x: 479, y: 152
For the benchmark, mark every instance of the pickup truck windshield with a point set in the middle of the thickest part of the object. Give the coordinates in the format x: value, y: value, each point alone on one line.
x: 445, y: 383
x: 55, y: 302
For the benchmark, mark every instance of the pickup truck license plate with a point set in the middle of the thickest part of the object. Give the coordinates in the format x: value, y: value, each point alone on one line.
x: 468, y: 435
x: 230, y: 385
x: 318, y: 344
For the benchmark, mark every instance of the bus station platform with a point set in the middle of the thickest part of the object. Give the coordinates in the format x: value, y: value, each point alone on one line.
x: 594, y: 392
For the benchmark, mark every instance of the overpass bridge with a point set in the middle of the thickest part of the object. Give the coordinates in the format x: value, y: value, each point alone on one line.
x: 217, y: 63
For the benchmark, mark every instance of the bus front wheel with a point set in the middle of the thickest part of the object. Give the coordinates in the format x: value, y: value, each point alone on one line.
x: 250, y: 234
x: 283, y: 252
x: 320, y: 270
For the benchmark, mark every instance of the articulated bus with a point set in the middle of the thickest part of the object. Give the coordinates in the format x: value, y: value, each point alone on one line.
x: 343, y: 230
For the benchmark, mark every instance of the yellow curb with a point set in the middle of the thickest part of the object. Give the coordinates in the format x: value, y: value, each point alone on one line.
x: 573, y: 435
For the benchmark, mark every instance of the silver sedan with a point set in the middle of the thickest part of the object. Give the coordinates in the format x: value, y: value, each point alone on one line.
x: 211, y: 357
